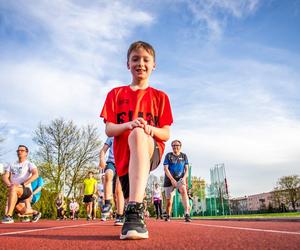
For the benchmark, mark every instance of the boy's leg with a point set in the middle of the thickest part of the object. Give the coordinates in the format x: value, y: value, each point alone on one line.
x: 141, y: 148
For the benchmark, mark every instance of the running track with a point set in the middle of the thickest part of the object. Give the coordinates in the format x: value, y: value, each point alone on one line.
x: 199, y: 234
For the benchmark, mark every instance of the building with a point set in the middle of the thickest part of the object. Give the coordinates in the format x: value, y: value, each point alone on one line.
x: 262, y: 201
x: 239, y: 205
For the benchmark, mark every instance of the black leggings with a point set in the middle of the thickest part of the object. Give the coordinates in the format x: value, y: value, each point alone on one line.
x: 60, y: 213
x: 157, y: 204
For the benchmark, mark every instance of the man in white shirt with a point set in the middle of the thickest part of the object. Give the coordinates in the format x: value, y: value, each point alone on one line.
x: 18, y: 178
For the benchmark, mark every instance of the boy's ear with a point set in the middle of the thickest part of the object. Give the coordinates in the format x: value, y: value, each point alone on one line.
x: 128, y: 66
x: 154, y: 66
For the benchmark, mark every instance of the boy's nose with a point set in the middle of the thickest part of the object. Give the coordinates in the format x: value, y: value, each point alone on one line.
x: 141, y: 62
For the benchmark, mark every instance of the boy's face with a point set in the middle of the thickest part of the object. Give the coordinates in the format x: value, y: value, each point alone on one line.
x: 141, y: 64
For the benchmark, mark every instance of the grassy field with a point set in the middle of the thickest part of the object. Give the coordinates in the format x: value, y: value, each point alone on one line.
x: 267, y: 215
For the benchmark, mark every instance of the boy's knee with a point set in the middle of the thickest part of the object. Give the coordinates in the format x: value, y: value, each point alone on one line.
x: 136, y: 133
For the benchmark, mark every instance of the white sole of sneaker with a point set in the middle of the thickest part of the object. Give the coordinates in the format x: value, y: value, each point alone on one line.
x: 119, y: 224
x: 134, y: 235
x: 7, y: 222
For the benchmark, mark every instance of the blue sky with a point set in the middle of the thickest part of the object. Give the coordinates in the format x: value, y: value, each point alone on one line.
x: 231, y: 69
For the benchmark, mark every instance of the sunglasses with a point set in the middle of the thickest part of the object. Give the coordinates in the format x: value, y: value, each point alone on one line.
x: 176, y: 145
x: 20, y: 150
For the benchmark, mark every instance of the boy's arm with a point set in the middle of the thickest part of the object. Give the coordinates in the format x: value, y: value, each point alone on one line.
x: 162, y: 133
x: 112, y: 129
x: 102, y: 156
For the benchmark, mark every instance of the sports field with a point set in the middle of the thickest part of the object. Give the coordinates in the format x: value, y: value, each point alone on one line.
x: 199, y: 234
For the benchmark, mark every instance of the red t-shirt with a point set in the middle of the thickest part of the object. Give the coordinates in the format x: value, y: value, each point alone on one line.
x: 123, y: 104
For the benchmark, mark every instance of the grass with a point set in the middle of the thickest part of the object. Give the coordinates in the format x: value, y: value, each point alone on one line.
x: 267, y: 215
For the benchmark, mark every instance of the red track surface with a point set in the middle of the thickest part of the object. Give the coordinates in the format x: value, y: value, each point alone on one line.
x: 163, y: 235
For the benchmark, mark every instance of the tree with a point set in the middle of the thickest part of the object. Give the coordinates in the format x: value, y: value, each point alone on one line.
x: 288, y: 190
x: 65, y: 154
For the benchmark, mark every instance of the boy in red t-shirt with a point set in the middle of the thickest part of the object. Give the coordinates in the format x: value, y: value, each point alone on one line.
x: 139, y: 118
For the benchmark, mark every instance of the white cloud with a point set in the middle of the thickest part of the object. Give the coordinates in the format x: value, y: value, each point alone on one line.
x: 214, y: 13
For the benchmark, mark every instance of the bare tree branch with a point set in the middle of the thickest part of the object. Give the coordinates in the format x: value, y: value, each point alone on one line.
x: 66, y: 151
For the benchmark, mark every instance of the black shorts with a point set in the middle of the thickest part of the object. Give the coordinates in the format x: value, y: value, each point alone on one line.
x: 26, y: 194
x: 88, y: 198
x: 154, y: 162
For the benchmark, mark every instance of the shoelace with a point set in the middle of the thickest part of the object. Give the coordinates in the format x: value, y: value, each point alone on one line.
x: 134, y: 214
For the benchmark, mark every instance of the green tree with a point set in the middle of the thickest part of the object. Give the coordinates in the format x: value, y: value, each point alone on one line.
x: 65, y: 154
x: 288, y: 190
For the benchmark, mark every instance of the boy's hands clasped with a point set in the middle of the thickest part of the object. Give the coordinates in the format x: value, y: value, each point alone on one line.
x: 141, y: 123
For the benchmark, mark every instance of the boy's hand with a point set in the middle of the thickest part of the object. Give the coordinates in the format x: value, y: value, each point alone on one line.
x: 135, y: 123
x: 147, y: 128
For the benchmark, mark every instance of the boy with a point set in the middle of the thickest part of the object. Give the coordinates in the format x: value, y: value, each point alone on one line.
x: 139, y: 118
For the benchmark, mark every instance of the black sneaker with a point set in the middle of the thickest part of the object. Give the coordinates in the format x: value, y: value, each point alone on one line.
x: 7, y: 219
x: 119, y: 220
x: 88, y: 218
x: 134, y: 226
x: 187, y: 218
x: 167, y: 218
x: 36, y: 217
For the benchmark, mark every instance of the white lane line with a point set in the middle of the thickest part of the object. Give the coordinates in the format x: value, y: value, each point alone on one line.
x: 242, y: 228
x: 48, y: 228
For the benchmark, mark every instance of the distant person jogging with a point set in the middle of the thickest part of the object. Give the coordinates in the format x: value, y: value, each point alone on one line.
x: 139, y: 118
x: 176, y: 168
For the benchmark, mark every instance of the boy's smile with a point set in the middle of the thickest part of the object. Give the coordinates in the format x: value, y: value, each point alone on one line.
x: 141, y: 64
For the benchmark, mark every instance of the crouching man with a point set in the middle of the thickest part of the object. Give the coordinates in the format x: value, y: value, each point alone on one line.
x: 18, y: 178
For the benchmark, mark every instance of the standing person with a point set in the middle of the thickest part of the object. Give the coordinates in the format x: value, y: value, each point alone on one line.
x: 59, y: 204
x: 111, y: 183
x: 138, y: 117
x: 89, y: 191
x: 176, y: 168
x: 18, y: 178
x: 157, y: 200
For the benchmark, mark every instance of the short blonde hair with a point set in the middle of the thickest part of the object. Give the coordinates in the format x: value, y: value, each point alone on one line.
x: 140, y: 44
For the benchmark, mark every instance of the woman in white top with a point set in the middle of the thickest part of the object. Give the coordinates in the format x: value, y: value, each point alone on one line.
x: 74, y: 207
x: 157, y: 200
